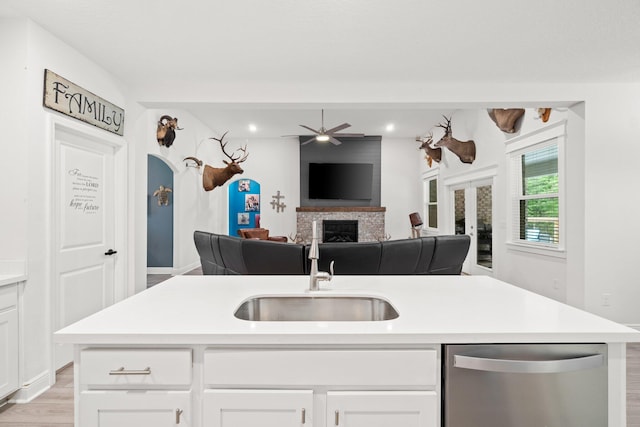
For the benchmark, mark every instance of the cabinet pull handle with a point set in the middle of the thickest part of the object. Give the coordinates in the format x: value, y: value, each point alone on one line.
x: 304, y: 416
x: 122, y: 371
x: 178, y: 413
x: 337, y: 418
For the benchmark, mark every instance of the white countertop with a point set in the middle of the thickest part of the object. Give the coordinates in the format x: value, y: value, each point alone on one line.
x: 9, y: 279
x: 433, y: 310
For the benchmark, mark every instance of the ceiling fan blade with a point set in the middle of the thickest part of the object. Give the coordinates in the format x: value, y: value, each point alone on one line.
x: 312, y: 130
x: 308, y: 140
x: 338, y: 128
x: 349, y: 135
x: 334, y: 141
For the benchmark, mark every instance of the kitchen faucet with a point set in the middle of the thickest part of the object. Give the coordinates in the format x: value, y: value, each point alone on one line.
x: 315, y: 276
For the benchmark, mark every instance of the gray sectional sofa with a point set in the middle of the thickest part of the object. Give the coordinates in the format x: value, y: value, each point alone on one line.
x: 220, y: 254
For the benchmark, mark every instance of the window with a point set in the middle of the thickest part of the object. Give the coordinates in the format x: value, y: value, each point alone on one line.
x: 538, y: 202
x: 536, y: 183
x: 431, y: 202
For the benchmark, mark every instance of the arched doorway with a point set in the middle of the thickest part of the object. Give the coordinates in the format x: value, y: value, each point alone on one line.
x: 159, y: 216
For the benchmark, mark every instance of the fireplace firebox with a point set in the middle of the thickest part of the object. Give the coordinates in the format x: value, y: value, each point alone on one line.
x: 339, y: 230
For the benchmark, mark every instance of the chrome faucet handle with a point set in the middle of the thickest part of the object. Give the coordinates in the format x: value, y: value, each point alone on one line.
x: 323, y: 275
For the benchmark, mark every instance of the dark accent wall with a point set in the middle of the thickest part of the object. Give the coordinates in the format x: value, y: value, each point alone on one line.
x: 352, y: 150
x: 159, y: 218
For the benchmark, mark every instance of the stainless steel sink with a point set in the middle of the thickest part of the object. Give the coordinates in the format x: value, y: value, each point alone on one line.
x: 315, y: 308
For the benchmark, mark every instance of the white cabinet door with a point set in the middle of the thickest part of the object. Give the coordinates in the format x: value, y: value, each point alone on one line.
x: 258, y: 408
x: 8, y: 341
x: 135, y: 409
x: 382, y: 409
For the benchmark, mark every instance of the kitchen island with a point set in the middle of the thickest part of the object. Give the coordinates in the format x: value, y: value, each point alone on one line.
x: 175, y: 354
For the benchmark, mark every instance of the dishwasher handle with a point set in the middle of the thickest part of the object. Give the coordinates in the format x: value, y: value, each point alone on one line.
x: 528, y: 366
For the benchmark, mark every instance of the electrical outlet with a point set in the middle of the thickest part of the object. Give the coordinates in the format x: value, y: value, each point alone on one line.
x: 606, y: 299
x: 555, y: 284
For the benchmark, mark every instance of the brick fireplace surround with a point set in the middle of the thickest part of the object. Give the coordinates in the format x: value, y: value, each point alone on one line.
x: 370, y: 220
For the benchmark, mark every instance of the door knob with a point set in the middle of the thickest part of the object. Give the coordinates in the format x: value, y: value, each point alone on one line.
x: 111, y: 252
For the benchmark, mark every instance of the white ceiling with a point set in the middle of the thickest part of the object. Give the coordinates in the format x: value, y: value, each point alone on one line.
x: 183, y: 46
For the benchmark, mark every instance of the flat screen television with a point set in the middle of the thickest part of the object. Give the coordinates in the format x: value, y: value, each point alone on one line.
x: 348, y: 181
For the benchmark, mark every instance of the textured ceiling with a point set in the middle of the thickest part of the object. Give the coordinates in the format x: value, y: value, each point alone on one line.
x: 206, y: 44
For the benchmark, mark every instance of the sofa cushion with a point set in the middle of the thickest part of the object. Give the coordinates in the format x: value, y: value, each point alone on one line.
x: 231, y: 251
x: 267, y: 257
x: 350, y: 258
x: 449, y: 254
x: 400, y: 256
x: 426, y: 254
x: 203, y: 246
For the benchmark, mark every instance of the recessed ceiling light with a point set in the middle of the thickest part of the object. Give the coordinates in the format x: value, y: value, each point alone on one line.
x: 252, y: 128
x: 390, y: 127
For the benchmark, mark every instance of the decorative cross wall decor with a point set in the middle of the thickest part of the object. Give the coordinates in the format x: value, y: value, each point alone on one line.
x: 276, y: 203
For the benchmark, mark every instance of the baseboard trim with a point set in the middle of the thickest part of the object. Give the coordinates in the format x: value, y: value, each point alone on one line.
x: 160, y: 270
x: 173, y: 271
x: 32, y: 389
x: 186, y: 269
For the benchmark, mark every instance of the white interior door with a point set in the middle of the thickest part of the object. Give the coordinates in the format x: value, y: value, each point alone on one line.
x: 84, y: 230
x: 473, y: 215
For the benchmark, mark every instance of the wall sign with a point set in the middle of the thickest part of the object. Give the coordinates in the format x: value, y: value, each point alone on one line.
x: 67, y: 98
x: 82, y: 179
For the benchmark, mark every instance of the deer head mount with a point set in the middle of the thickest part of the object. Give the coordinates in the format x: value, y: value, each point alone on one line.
x: 465, y: 150
x: 506, y: 119
x: 166, y: 132
x: 431, y: 153
x: 216, y: 177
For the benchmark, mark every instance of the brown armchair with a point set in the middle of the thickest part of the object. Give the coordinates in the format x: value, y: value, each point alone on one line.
x: 259, y: 233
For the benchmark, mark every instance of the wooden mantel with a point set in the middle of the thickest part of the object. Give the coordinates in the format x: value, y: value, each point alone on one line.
x: 341, y: 209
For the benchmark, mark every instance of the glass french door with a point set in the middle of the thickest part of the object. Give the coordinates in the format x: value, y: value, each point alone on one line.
x: 473, y: 215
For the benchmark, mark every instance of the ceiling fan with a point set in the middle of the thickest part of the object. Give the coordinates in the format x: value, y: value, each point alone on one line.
x: 324, y: 135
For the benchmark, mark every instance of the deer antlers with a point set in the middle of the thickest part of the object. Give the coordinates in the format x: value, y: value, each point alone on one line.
x: 216, y: 177
x: 236, y: 160
x: 447, y: 128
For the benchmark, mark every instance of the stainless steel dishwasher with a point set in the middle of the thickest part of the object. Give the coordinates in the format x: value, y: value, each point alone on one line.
x: 525, y: 385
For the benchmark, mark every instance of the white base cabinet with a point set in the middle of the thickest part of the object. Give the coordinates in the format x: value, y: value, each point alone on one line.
x: 321, y: 387
x: 382, y: 409
x: 264, y: 408
x: 135, y: 409
x: 9, y: 351
x: 267, y: 387
x: 120, y: 387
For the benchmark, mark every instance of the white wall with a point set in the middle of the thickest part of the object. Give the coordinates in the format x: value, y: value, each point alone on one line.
x: 401, y: 187
x: 612, y: 204
x: 539, y: 273
x: 14, y: 162
x: 30, y: 173
x: 193, y: 208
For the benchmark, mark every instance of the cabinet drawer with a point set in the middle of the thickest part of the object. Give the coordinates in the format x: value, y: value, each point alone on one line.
x: 125, y: 368
x: 231, y: 367
x: 8, y: 297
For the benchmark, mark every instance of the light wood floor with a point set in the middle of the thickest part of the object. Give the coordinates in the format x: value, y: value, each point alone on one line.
x: 55, y: 407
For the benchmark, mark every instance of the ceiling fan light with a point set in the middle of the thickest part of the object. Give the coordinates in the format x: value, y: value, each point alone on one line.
x: 322, y: 138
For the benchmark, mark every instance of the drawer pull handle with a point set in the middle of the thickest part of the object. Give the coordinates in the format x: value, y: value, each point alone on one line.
x: 337, y: 419
x: 304, y: 416
x: 178, y: 413
x: 122, y: 371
